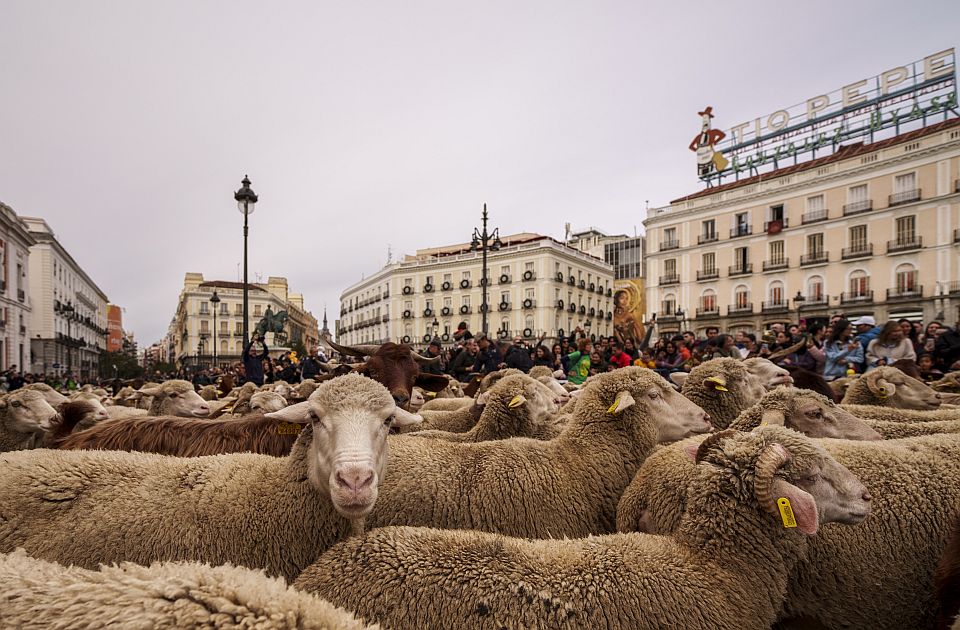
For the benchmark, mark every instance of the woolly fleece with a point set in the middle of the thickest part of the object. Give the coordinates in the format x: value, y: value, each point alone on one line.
x: 723, y: 407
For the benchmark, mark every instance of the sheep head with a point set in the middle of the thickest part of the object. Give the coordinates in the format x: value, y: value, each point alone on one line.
x: 176, y: 398
x: 27, y: 411
x: 805, y: 411
x: 889, y: 387
x: 350, y: 418
x: 769, y: 373
x: 723, y: 387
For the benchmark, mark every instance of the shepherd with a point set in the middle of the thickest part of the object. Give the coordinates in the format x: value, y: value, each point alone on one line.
x: 708, y: 158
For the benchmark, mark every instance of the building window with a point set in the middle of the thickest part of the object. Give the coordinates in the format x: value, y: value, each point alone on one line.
x: 906, y: 279
x: 709, y: 263
x: 528, y: 322
x: 448, y: 277
x: 447, y: 302
x: 408, y: 282
x: 740, y: 258
x: 505, y: 269
x: 669, y: 306
x: 859, y: 283
x: 204, y: 325
x: 815, y: 289
x: 906, y: 229
x: 858, y: 237
x: 815, y: 245
x: 815, y: 204
x: 670, y: 237
x: 505, y: 297
x: 741, y: 224
x: 256, y: 310
x: 224, y: 308
x: 776, y: 294
x: 741, y: 297
x: 776, y: 253
x: 465, y: 275
x: 204, y: 308
x: 670, y: 267
x: 465, y: 301
x: 905, y: 183
x: 709, y: 229
x: 777, y: 213
x: 225, y: 327
x: 408, y: 306
x: 528, y: 266
x: 708, y: 302
x: 857, y: 194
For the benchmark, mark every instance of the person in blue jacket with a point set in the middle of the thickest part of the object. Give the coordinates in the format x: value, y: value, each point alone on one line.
x: 253, y: 358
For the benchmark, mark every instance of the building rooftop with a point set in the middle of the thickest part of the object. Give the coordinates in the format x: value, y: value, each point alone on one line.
x: 843, y: 153
x: 225, y: 284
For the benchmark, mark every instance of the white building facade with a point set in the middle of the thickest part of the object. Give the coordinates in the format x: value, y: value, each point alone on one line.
x: 68, y: 318
x: 15, y: 299
x: 536, y: 286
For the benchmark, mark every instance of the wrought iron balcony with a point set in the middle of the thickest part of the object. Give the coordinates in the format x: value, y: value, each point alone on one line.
x: 737, y: 270
x: 857, y: 251
x: 953, y: 288
x: 904, y: 244
x: 852, y: 298
x: 665, y: 245
x: 735, y: 309
x: 905, y: 293
x: 784, y: 223
x: 907, y: 196
x: 814, y: 216
x: 669, y: 279
x: 708, y: 274
x: 707, y: 238
x: 857, y: 207
x: 780, y: 263
x: 741, y: 230
x: 815, y: 258
x: 813, y: 301
x: 710, y: 311
x: 775, y: 306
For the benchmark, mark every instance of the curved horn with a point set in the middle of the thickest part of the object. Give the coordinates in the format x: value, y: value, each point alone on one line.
x: 779, y: 354
x: 361, y: 350
x: 712, y: 439
x: 422, y: 360
x: 768, y: 462
x: 878, y: 385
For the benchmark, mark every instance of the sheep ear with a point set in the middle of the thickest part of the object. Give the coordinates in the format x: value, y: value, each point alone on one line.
x: 151, y: 391
x: 299, y: 413
x: 716, y: 383
x: 623, y: 401
x: 879, y: 386
x: 690, y: 450
x: 516, y: 401
x: 679, y: 378
x: 483, y: 398
x: 773, y: 416
x: 404, y: 418
x: 797, y: 507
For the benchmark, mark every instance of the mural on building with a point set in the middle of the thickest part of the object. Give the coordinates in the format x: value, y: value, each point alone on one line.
x: 628, y: 309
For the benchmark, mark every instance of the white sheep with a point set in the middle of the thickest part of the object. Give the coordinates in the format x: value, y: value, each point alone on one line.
x: 889, y: 387
x: 25, y: 416
x: 176, y: 398
x: 41, y: 594
x: 727, y: 565
x: 278, y: 514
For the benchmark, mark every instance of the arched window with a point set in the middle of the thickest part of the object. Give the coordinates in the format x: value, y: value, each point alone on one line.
x: 223, y: 346
x: 505, y: 324
x: 859, y: 284
x: 906, y: 278
x: 741, y: 297
x: 528, y: 322
x: 708, y: 301
x: 775, y: 294
x: 669, y: 306
x: 815, y: 289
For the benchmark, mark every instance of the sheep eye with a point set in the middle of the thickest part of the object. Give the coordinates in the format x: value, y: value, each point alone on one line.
x: 16, y: 403
x: 388, y: 421
x: 654, y: 394
x: 174, y: 394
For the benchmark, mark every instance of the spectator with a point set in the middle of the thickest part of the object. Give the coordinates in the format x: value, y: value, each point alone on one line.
x: 669, y: 360
x: 518, y: 356
x: 911, y: 333
x: 712, y: 332
x: 631, y: 350
x: 433, y: 350
x: 310, y: 367
x: 867, y: 330
x: 646, y: 359
x: 843, y: 351
x: 619, y: 358
x: 890, y: 345
x: 928, y: 371
x: 814, y: 358
x: 488, y: 357
x: 543, y: 356
x: 462, y: 366
x: 254, y: 355
x: 559, y: 358
x: 947, y: 349
x: 579, y: 362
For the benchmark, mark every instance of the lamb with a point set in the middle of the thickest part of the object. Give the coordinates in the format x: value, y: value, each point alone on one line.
x: 722, y: 387
x: 52, y: 396
x: 805, y: 411
x: 40, y: 594
x: 276, y: 514
x: 517, y: 406
x: 567, y: 486
x: 25, y: 416
x: 702, y: 576
x: 881, y: 574
x: 889, y: 387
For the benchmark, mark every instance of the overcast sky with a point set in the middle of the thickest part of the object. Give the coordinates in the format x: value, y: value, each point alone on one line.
x: 128, y: 125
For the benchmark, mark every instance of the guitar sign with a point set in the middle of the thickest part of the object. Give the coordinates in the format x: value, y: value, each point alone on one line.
x: 708, y: 159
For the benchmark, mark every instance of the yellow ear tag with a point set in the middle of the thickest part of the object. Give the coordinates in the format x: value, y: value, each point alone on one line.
x: 431, y: 394
x: 718, y: 384
x: 613, y: 407
x: 786, y: 512
x: 516, y: 401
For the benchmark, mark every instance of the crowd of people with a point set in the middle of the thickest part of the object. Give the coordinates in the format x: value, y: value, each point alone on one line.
x: 835, y: 348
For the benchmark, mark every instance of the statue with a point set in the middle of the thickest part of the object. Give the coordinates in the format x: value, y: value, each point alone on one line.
x: 273, y: 322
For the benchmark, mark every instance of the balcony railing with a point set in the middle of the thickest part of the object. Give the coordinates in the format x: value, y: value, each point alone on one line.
x: 736, y: 270
x: 708, y: 274
x: 814, y: 216
x: 857, y: 251
x: 709, y: 311
x: 907, y: 196
x: 857, y: 207
x: 740, y: 308
x: 665, y: 245
x: 850, y: 298
x: 904, y: 244
x: 905, y: 293
x: 774, y: 306
x: 815, y: 258
x: 741, y: 230
x: 781, y: 263
x: 707, y: 238
x: 953, y: 288
x: 669, y: 279
x: 814, y: 301
x: 784, y: 223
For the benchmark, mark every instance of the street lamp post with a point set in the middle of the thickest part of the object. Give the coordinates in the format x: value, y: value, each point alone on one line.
x: 246, y: 200
x: 199, y: 352
x: 68, y: 312
x: 482, y: 241
x: 215, y: 300
x: 435, y: 326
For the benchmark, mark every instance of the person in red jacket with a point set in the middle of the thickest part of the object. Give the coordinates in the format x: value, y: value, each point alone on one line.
x: 619, y: 358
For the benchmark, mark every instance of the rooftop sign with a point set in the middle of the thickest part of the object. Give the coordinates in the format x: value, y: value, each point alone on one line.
x: 913, y: 95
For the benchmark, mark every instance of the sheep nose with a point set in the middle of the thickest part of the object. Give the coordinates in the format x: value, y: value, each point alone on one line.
x: 355, y: 479
x: 866, y: 495
x: 401, y: 400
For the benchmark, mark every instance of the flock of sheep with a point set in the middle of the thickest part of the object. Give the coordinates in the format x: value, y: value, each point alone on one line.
x: 726, y: 499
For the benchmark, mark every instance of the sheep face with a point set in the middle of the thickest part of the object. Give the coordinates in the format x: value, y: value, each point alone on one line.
x: 351, y: 417
x: 98, y: 409
x: 768, y: 373
x: 561, y: 394
x: 178, y: 398
x: 787, y: 464
x: 266, y: 402
x: 819, y: 418
x: 27, y: 412
x: 892, y: 388
x: 675, y: 415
